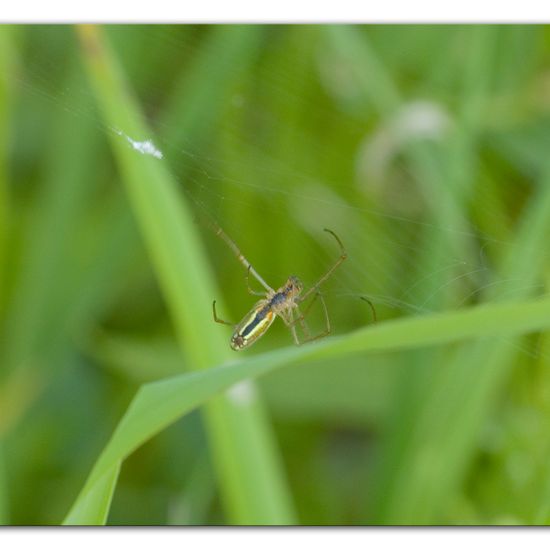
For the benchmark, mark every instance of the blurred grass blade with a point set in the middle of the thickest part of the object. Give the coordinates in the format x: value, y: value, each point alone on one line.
x: 166, y: 224
x: 191, y: 505
x: 352, y: 45
x: 4, y: 511
x: 41, y: 268
x: 159, y: 404
x: 450, y: 230
x: 199, y: 96
x: 33, y: 313
x: 8, y: 60
x: 244, y: 452
x: 542, y: 515
x: 459, y: 398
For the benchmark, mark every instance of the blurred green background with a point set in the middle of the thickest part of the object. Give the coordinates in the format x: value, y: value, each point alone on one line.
x: 425, y: 148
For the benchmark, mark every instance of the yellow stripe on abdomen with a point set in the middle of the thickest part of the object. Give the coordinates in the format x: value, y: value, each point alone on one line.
x: 254, y: 325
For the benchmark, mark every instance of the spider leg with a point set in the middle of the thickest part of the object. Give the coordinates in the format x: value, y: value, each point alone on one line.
x: 327, y: 330
x: 288, y: 319
x: 217, y: 319
x: 371, y: 306
x: 343, y: 256
x: 303, y: 324
x: 248, y: 284
x: 302, y: 316
x: 240, y: 256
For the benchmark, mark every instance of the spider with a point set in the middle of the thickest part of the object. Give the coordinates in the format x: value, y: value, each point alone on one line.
x: 283, y: 302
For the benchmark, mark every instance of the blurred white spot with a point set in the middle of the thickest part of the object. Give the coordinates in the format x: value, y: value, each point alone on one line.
x: 422, y: 118
x: 416, y: 120
x: 339, y: 80
x: 144, y: 147
x: 242, y: 393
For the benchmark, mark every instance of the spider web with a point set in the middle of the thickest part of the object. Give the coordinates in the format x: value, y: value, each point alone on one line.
x: 296, y: 148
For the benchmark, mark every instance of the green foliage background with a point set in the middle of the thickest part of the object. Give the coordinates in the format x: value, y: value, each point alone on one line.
x: 425, y: 148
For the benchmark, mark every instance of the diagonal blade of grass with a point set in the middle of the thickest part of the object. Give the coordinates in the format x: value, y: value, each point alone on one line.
x: 160, y: 403
x: 244, y: 453
x: 93, y: 508
x: 165, y: 222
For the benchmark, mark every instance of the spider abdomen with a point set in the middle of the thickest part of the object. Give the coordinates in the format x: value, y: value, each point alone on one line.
x: 253, y: 325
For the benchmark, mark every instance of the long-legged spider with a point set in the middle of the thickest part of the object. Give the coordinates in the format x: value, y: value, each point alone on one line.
x: 283, y: 302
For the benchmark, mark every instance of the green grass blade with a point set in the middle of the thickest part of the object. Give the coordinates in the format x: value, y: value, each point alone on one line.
x: 248, y: 467
x: 166, y: 224
x: 159, y: 404
x: 94, y: 508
